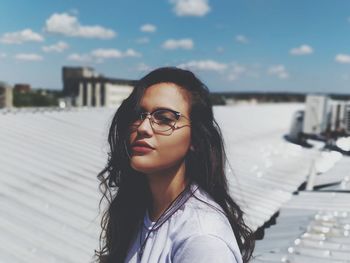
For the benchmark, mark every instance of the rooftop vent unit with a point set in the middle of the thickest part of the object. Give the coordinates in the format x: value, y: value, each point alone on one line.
x: 347, y: 118
x: 323, y: 119
x: 315, y: 115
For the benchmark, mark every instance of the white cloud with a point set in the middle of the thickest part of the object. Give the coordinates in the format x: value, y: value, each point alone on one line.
x: 171, y: 44
x: 148, y: 28
x: 106, y: 53
x: 236, y: 72
x: 241, y: 39
x: 99, y: 55
x: 302, y: 50
x: 28, y: 57
x: 342, y: 58
x: 79, y: 57
x: 58, y: 47
x: 207, y: 65
x: 143, y: 40
x: 26, y: 35
x: 3, y: 55
x: 143, y: 67
x: 191, y: 7
x: 131, y: 53
x: 113, y: 53
x: 229, y: 71
x: 278, y: 71
x: 69, y: 25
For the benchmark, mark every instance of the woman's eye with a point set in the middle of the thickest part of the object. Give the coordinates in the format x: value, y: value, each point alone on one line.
x: 164, y: 119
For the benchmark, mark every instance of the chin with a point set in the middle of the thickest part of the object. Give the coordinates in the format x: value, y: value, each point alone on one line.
x: 143, y: 166
x: 149, y: 165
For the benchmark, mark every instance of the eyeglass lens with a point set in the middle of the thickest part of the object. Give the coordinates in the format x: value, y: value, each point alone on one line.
x: 161, y: 120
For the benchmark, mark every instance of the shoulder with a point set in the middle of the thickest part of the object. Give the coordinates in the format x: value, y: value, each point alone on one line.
x: 204, y: 248
x: 201, y: 221
x: 201, y: 215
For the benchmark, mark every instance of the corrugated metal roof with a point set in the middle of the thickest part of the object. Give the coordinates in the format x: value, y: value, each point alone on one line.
x: 48, y: 185
x: 337, y: 178
x: 266, y: 169
x: 312, y: 227
x: 49, y: 161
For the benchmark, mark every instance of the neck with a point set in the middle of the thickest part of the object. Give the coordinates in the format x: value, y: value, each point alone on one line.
x: 165, y: 186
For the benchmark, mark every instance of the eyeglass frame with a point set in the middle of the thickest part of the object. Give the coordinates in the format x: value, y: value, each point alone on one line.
x: 149, y: 115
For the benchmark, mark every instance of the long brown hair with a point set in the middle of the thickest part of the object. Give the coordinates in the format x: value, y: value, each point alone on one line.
x: 126, y: 190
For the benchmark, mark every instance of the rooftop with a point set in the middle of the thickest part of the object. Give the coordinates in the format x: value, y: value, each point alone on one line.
x: 49, y: 191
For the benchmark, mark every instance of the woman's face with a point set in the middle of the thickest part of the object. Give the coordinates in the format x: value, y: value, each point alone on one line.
x: 168, y: 148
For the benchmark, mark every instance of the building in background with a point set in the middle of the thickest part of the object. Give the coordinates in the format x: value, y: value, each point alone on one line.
x: 6, y: 95
x: 82, y: 86
x: 22, y: 88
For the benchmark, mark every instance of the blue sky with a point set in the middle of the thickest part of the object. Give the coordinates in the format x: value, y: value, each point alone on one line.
x: 232, y: 45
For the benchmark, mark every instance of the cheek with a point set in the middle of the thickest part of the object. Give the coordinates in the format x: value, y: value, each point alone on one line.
x: 174, y: 147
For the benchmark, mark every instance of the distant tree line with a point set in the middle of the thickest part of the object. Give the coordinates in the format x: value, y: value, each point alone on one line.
x: 49, y: 98
x: 36, y: 98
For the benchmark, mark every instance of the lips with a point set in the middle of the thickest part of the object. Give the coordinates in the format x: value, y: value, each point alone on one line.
x: 141, y: 147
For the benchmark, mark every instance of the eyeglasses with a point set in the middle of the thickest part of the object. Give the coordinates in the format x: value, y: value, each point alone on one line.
x: 162, y: 120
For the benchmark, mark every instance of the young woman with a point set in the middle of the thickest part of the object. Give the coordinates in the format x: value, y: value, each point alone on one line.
x: 165, y: 179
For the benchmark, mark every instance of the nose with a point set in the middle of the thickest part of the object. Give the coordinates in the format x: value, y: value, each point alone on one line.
x: 145, y: 127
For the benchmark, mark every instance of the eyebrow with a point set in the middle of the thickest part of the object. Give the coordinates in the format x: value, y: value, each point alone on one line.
x: 159, y: 108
